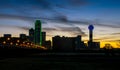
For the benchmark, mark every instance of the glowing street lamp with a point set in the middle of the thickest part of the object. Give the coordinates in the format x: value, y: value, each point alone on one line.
x: 16, y: 44
x: 18, y: 41
x: 4, y: 42
x: 11, y: 43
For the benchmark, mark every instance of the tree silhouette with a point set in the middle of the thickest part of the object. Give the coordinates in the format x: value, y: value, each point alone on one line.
x: 108, y: 49
x: 108, y: 46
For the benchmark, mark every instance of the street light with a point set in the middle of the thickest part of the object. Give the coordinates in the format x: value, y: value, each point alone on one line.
x: 11, y: 43
x: 18, y: 41
x: 4, y: 42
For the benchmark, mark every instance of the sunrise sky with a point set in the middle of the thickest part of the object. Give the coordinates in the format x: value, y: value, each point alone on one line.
x: 63, y: 17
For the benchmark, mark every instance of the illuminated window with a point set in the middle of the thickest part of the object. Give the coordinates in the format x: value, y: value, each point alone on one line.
x: 8, y: 38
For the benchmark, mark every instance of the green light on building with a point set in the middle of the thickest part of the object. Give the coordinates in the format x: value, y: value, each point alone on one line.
x: 38, y: 32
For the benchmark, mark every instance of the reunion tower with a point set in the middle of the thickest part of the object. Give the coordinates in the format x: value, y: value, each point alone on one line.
x: 90, y: 27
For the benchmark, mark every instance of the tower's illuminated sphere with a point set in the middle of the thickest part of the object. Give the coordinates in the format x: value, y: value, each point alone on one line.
x: 90, y: 27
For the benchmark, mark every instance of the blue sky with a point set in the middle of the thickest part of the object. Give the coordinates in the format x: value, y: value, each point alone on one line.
x: 62, y: 17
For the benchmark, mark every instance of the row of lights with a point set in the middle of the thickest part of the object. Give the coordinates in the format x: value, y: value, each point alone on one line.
x: 18, y: 41
x: 24, y: 44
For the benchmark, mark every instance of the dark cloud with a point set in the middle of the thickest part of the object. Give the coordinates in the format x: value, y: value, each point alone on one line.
x: 73, y: 30
x: 46, y: 8
x: 57, y: 19
x: 23, y: 9
x: 49, y: 29
x: 69, y: 28
x: 27, y: 3
x: 103, y: 23
x: 16, y: 17
x: 18, y: 27
x: 24, y: 18
x: 79, y: 2
x: 108, y: 25
x: 29, y: 8
x: 70, y: 4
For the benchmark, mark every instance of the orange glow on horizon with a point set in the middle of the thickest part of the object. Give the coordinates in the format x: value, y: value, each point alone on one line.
x: 113, y: 44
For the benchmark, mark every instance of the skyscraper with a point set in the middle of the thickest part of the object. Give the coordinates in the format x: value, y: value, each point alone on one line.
x: 31, y: 35
x: 38, y: 32
x: 43, y: 38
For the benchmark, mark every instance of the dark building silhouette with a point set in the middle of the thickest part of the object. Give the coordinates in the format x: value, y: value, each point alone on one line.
x: 93, y: 45
x: 37, y: 36
x: 79, y: 44
x: 23, y: 36
x: 68, y: 43
x: 48, y: 45
x: 31, y: 35
x: 43, y: 38
x: 38, y: 33
x: 16, y: 42
x: 65, y: 43
x: 7, y: 35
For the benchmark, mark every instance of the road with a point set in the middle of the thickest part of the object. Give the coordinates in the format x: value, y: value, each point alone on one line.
x: 60, y: 62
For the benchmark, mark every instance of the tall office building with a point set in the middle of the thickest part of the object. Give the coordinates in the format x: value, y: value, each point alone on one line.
x: 43, y: 38
x: 31, y: 35
x: 38, y: 32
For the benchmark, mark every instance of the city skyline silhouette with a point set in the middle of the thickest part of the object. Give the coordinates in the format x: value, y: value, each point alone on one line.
x: 34, y: 37
x: 37, y: 37
x: 59, y: 34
